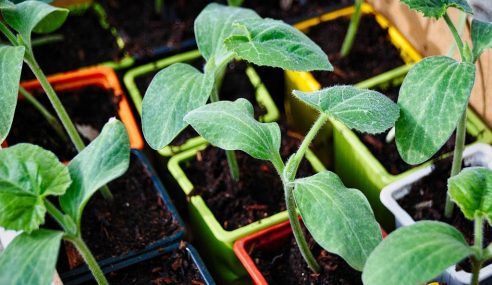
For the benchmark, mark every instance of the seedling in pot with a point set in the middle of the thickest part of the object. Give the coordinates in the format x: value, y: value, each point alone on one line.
x: 30, y: 178
x: 423, y: 250
x: 431, y: 115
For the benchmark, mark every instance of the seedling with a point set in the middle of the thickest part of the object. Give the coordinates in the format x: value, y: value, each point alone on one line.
x: 431, y: 115
x: 352, y: 29
x: 30, y: 178
x: 415, y: 254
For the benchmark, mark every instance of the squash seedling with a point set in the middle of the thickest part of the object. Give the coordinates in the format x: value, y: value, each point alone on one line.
x: 415, y: 254
x: 222, y: 34
x: 30, y: 178
x: 431, y: 115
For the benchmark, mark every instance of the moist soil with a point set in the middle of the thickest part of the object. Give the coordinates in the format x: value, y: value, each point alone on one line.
x: 257, y: 195
x: 89, y: 108
x: 371, y: 54
x: 426, y: 201
x: 387, y: 153
x: 286, y: 266
x: 84, y: 43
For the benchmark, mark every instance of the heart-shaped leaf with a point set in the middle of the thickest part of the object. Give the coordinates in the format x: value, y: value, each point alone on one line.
x: 481, y: 33
x: 432, y: 98
x: 340, y: 219
x: 28, y: 174
x: 437, y: 8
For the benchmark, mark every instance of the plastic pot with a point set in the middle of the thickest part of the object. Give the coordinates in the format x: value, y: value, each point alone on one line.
x: 474, y: 155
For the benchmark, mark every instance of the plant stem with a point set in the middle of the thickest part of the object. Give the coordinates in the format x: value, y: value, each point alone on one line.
x: 89, y: 260
x: 478, y: 232
x: 158, y: 6
x: 476, y: 266
x: 456, y: 36
x: 478, y: 244
x: 8, y: 34
x: 56, y: 214
x: 49, y: 39
x: 352, y: 29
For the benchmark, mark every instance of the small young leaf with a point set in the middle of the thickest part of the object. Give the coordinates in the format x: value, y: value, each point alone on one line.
x: 432, y: 98
x: 11, y: 59
x: 28, y: 174
x: 361, y: 109
x: 231, y: 126
x: 340, y: 219
x: 481, y: 33
x: 415, y: 254
x: 30, y: 258
x: 174, y: 91
x: 472, y: 192
x: 277, y: 44
x: 104, y: 159
x: 437, y: 8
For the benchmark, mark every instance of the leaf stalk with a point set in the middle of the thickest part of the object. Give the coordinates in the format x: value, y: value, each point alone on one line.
x: 352, y: 30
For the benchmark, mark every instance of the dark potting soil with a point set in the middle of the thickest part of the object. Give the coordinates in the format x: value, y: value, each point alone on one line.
x: 89, y: 107
x: 257, y: 195
x: 426, y: 201
x: 287, y: 266
x: 372, y: 52
x: 84, y: 43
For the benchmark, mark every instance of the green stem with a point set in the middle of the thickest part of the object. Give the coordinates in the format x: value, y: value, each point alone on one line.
x: 158, y: 6
x: 49, y: 39
x: 56, y: 214
x: 456, y: 36
x: 476, y: 266
x: 461, y: 26
x: 8, y: 34
x: 478, y: 244
x: 478, y: 232
x: 352, y: 29
x: 233, y: 166
x: 89, y: 259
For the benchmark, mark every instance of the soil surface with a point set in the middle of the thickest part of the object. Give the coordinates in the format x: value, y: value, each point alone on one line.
x: 372, y: 52
x: 286, y: 266
x: 426, y: 201
x: 257, y: 195
x: 89, y: 107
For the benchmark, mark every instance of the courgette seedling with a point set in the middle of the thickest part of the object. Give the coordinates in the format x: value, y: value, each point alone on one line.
x: 435, y: 93
x: 30, y: 178
x: 415, y: 254
x: 222, y: 33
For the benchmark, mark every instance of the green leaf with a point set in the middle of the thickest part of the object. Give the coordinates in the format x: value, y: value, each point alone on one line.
x: 361, y: 109
x: 214, y: 25
x: 34, y: 16
x: 437, y: 8
x: 432, y: 98
x: 235, y: 2
x: 5, y: 4
x: 471, y: 190
x: 274, y: 43
x: 174, y: 91
x: 231, y: 126
x: 340, y: 219
x: 28, y: 174
x: 11, y: 59
x: 30, y: 258
x: 415, y: 254
x: 481, y: 33
x: 104, y: 159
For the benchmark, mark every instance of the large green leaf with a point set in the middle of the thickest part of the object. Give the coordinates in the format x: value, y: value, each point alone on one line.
x: 361, y: 109
x: 104, y: 159
x: 231, y: 126
x: 340, y: 219
x: 415, y: 254
x: 274, y: 43
x: 174, y: 91
x: 11, y: 59
x: 30, y: 258
x: 437, y: 8
x: 28, y: 174
x: 481, y: 33
x: 5, y: 4
x: 34, y: 16
x: 472, y: 192
x: 214, y: 25
x: 432, y: 98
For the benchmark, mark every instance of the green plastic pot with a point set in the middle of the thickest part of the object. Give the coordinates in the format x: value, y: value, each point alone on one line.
x: 262, y: 95
x: 216, y: 242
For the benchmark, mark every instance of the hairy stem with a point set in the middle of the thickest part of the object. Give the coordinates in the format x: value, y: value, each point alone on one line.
x: 456, y: 36
x: 476, y: 266
x: 89, y: 260
x: 56, y: 214
x: 352, y: 29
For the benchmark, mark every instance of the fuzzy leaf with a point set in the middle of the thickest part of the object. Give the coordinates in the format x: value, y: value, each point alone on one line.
x: 11, y: 59
x: 481, y: 36
x: 104, y: 159
x: 471, y: 189
x: 174, y: 91
x: 30, y: 258
x: 437, y: 8
x: 28, y: 174
x: 432, y: 98
x: 415, y: 254
x: 340, y: 219
x: 231, y: 126
x: 361, y: 109
x: 277, y: 44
